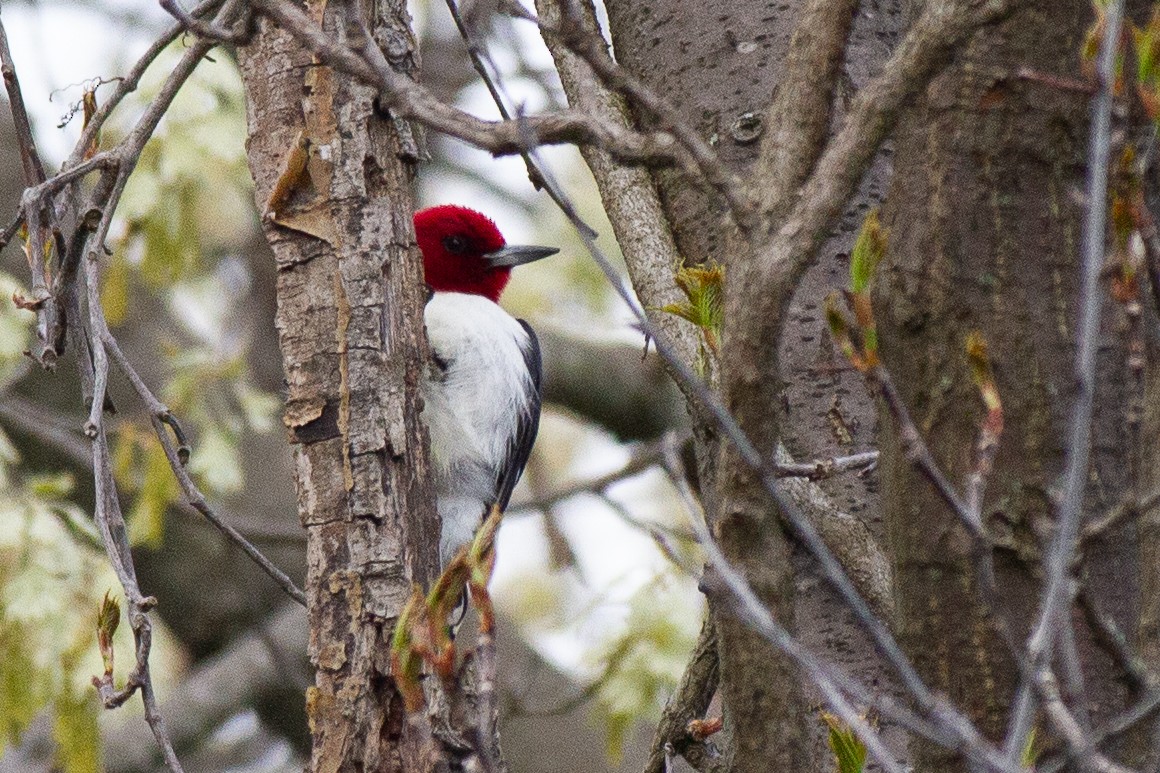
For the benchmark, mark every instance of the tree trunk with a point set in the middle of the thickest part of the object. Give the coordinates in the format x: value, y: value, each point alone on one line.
x: 689, y: 50
x: 984, y: 232
x: 720, y: 64
x: 333, y: 183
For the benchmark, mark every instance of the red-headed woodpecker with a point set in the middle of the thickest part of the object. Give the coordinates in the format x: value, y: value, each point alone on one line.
x: 483, y: 399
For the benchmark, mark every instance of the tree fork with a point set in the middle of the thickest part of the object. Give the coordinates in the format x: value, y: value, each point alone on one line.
x: 333, y: 181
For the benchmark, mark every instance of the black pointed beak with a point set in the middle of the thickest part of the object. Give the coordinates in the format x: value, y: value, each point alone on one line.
x: 517, y: 255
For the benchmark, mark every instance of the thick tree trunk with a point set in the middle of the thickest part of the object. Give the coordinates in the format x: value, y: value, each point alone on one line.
x: 689, y: 50
x: 720, y: 64
x: 984, y: 233
x: 333, y: 182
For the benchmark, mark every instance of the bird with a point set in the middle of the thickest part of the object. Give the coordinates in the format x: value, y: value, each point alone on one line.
x: 483, y: 395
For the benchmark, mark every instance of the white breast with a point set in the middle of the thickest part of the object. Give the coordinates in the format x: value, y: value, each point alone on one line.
x: 472, y: 412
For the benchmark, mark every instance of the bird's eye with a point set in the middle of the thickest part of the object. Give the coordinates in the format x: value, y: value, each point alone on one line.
x: 455, y: 244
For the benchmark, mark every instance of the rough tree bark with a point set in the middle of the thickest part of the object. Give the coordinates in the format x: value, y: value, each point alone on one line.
x: 333, y: 183
x: 720, y: 65
x: 984, y: 232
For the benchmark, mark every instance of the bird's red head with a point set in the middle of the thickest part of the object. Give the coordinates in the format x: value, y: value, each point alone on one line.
x: 464, y: 252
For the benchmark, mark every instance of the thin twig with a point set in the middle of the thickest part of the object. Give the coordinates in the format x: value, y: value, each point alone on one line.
x: 969, y: 512
x: 25, y: 143
x: 128, y: 84
x: 820, y: 469
x: 1060, y: 82
x: 648, y: 456
x: 1079, y: 742
x: 57, y: 432
x: 1108, y: 635
x: 1055, y: 598
x: 203, y: 28
x: 407, y: 99
x: 690, y: 700
x: 1113, y: 729
x: 644, y: 457
x: 160, y: 417
x: 478, y: 53
x: 111, y: 525
x: 1121, y: 514
x: 943, y: 713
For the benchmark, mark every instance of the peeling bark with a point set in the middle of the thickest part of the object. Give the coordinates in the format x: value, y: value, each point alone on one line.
x: 333, y: 180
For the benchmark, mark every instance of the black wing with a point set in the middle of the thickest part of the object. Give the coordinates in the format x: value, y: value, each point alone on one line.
x: 528, y: 424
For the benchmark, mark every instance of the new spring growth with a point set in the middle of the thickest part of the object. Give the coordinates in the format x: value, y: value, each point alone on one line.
x: 1030, y: 750
x: 481, y: 560
x: 1128, y: 215
x: 1093, y: 41
x: 848, y: 749
x: 704, y: 305
x: 700, y: 729
x: 108, y: 618
x: 406, y: 660
x: 422, y: 634
x: 442, y: 601
x: 1147, y: 42
x: 860, y: 344
x: 984, y: 377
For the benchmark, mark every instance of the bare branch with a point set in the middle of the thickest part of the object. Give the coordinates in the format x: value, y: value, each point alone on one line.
x: 29, y: 155
x: 689, y: 701
x: 160, y: 417
x: 1119, y: 515
x: 645, y: 457
x: 1108, y: 635
x: 48, y: 427
x: 1055, y: 597
x: 478, y: 54
x: 918, y: 454
x: 254, y: 662
x: 921, y: 54
x: 203, y: 28
x: 819, y: 469
x: 948, y: 719
x: 407, y: 99
x: 629, y: 195
x: 1078, y: 741
x: 111, y: 526
x: 799, y: 117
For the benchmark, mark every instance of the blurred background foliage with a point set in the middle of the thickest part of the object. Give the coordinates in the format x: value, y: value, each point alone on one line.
x: 599, y: 615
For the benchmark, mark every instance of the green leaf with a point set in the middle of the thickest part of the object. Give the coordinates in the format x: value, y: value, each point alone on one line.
x: 158, y: 490
x: 848, y: 749
x: 50, y: 485
x: 21, y: 693
x: 76, y: 733
x: 868, y: 251
x: 704, y: 306
x: 1030, y: 753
